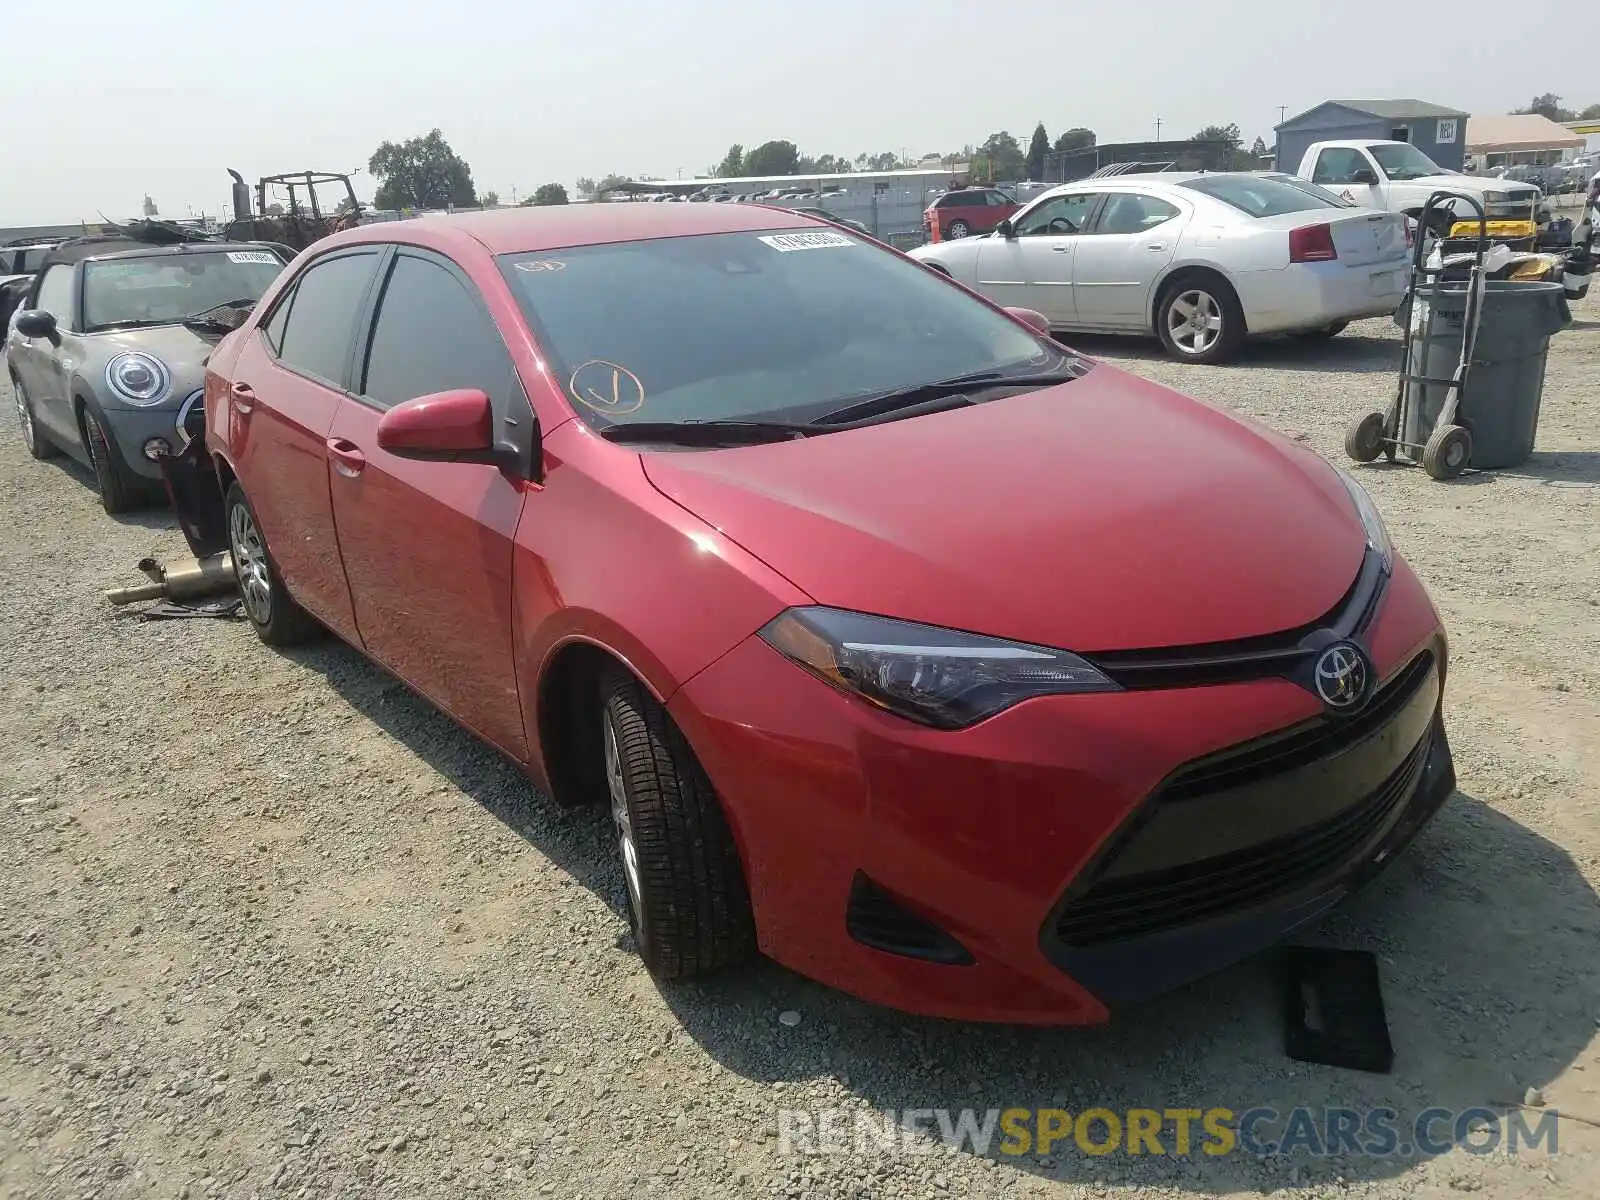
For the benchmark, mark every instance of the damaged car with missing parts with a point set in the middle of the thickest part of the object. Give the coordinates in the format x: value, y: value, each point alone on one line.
x: 902, y: 644
x: 106, y: 353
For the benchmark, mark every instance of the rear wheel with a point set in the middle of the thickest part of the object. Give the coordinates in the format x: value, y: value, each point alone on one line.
x: 119, y: 490
x: 278, y: 620
x: 686, y: 887
x: 1198, y: 319
x: 957, y: 229
x: 35, y: 439
x: 1363, y: 441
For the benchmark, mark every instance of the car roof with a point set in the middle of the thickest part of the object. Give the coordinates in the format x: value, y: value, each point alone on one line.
x: 524, y: 230
x: 175, y: 248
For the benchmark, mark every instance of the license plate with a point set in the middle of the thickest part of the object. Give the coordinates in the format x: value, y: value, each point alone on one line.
x: 1384, y: 283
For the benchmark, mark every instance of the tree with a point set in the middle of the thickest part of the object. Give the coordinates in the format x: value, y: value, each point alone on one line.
x: 549, y: 193
x: 828, y: 164
x: 1075, y: 139
x: 887, y: 161
x: 586, y: 186
x: 490, y: 199
x: 772, y: 158
x: 1549, y: 105
x: 1592, y: 113
x: 1258, y: 149
x: 1228, y: 134
x: 611, y: 181
x: 732, y: 164
x: 423, y: 172
x: 999, y: 158
x: 1038, y: 147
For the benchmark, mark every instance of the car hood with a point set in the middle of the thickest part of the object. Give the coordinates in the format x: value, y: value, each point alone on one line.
x: 1104, y: 514
x: 1475, y: 185
x: 184, y: 351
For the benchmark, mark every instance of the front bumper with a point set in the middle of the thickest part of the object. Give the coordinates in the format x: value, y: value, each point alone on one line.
x: 130, y: 428
x: 993, y: 836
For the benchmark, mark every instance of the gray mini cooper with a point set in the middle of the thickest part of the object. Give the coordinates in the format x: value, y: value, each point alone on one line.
x: 107, y: 352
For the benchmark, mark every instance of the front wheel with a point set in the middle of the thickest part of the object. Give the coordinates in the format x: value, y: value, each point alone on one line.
x: 119, y: 490
x: 278, y: 620
x: 687, y: 896
x: 1448, y: 452
x: 1199, y: 320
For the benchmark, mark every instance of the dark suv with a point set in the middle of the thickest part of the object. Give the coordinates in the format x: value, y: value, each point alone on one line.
x: 967, y: 211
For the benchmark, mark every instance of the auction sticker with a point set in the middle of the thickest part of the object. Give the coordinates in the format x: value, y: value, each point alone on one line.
x: 820, y: 240
x: 253, y: 256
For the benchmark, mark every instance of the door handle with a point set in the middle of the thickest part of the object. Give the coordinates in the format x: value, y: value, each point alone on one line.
x: 1062, y: 249
x: 1156, y: 247
x: 244, y: 398
x: 347, y: 457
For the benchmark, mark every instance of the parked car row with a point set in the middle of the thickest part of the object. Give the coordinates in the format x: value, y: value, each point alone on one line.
x: 947, y: 666
x: 1200, y: 260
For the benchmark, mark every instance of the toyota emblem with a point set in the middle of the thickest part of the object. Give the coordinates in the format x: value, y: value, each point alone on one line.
x: 1342, y: 676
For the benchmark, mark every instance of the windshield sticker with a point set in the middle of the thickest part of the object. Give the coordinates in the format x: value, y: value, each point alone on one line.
x: 607, y: 388
x: 254, y: 256
x: 820, y: 240
x: 541, y: 264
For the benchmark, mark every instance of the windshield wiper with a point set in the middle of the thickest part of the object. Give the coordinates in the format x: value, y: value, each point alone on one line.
x: 130, y: 323
x: 706, y: 433
x: 957, y: 389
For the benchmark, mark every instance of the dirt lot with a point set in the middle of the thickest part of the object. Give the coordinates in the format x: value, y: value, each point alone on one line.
x: 271, y: 926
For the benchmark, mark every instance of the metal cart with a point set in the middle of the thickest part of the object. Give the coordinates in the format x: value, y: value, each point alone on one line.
x: 1448, y: 449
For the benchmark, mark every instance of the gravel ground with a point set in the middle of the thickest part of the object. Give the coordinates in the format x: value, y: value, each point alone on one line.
x: 270, y: 926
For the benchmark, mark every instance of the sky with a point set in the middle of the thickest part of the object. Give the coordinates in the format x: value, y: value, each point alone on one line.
x: 103, y: 102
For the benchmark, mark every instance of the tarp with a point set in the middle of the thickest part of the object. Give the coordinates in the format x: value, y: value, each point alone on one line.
x: 1518, y: 132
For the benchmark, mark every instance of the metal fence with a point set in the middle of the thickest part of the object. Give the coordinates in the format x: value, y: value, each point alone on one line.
x: 1068, y: 166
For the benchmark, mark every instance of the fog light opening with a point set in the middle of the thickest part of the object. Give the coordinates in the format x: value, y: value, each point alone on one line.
x: 157, y: 448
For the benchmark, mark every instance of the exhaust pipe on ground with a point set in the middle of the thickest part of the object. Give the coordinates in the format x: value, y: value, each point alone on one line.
x: 208, y: 576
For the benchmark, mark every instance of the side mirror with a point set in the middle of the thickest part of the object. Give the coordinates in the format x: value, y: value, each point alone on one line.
x: 36, y: 323
x: 454, y: 426
x: 1033, y: 318
x: 1005, y: 229
x: 1364, y: 175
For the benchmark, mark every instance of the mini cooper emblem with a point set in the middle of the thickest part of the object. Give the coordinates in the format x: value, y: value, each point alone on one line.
x: 1342, y: 675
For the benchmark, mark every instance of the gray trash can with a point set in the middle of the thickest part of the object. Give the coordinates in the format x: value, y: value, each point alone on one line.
x: 1500, y: 405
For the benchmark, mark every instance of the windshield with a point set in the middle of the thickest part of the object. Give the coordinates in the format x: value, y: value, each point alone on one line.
x: 780, y: 324
x: 167, y: 288
x: 1402, y: 161
x: 1261, y: 195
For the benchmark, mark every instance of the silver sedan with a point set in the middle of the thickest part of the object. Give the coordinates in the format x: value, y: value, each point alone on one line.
x: 1201, y: 260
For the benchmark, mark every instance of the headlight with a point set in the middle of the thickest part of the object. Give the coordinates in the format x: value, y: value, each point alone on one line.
x: 1371, y: 519
x: 138, y: 378
x: 938, y: 677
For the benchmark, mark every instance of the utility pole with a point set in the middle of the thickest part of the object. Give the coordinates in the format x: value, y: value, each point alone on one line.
x: 1158, y: 129
x: 1282, y: 108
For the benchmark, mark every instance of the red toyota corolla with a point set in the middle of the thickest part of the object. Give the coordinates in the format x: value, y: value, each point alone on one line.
x: 921, y: 654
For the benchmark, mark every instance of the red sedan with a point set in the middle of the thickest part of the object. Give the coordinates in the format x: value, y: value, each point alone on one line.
x: 921, y: 654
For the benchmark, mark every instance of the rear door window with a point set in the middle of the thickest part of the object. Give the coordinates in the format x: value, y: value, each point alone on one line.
x: 1128, y: 212
x: 432, y: 335
x: 320, y: 328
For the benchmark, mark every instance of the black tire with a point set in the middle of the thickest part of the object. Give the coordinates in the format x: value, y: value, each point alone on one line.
x: 35, y: 439
x: 957, y: 229
x: 1323, y: 334
x: 687, y: 896
x: 1448, y: 452
x: 120, y: 491
x: 277, y: 619
x: 1223, y: 305
x: 1363, y: 441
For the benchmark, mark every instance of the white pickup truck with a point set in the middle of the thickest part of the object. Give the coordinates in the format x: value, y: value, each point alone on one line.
x: 1399, y: 177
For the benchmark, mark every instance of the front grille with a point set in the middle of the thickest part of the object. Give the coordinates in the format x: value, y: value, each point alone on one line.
x: 1260, y: 820
x: 1302, y: 746
x: 1122, y: 909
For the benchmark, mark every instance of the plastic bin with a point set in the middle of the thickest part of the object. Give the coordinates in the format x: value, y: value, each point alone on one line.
x: 1500, y: 405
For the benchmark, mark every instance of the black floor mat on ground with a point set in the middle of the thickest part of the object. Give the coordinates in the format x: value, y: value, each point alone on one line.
x: 1333, y: 1009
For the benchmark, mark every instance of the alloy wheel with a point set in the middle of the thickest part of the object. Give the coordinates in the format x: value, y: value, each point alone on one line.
x: 250, y: 565
x: 25, y: 415
x: 1194, y: 321
x: 619, y: 814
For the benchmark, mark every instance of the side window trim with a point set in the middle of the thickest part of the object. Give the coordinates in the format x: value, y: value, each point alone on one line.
x: 363, y: 348
x: 382, y: 252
